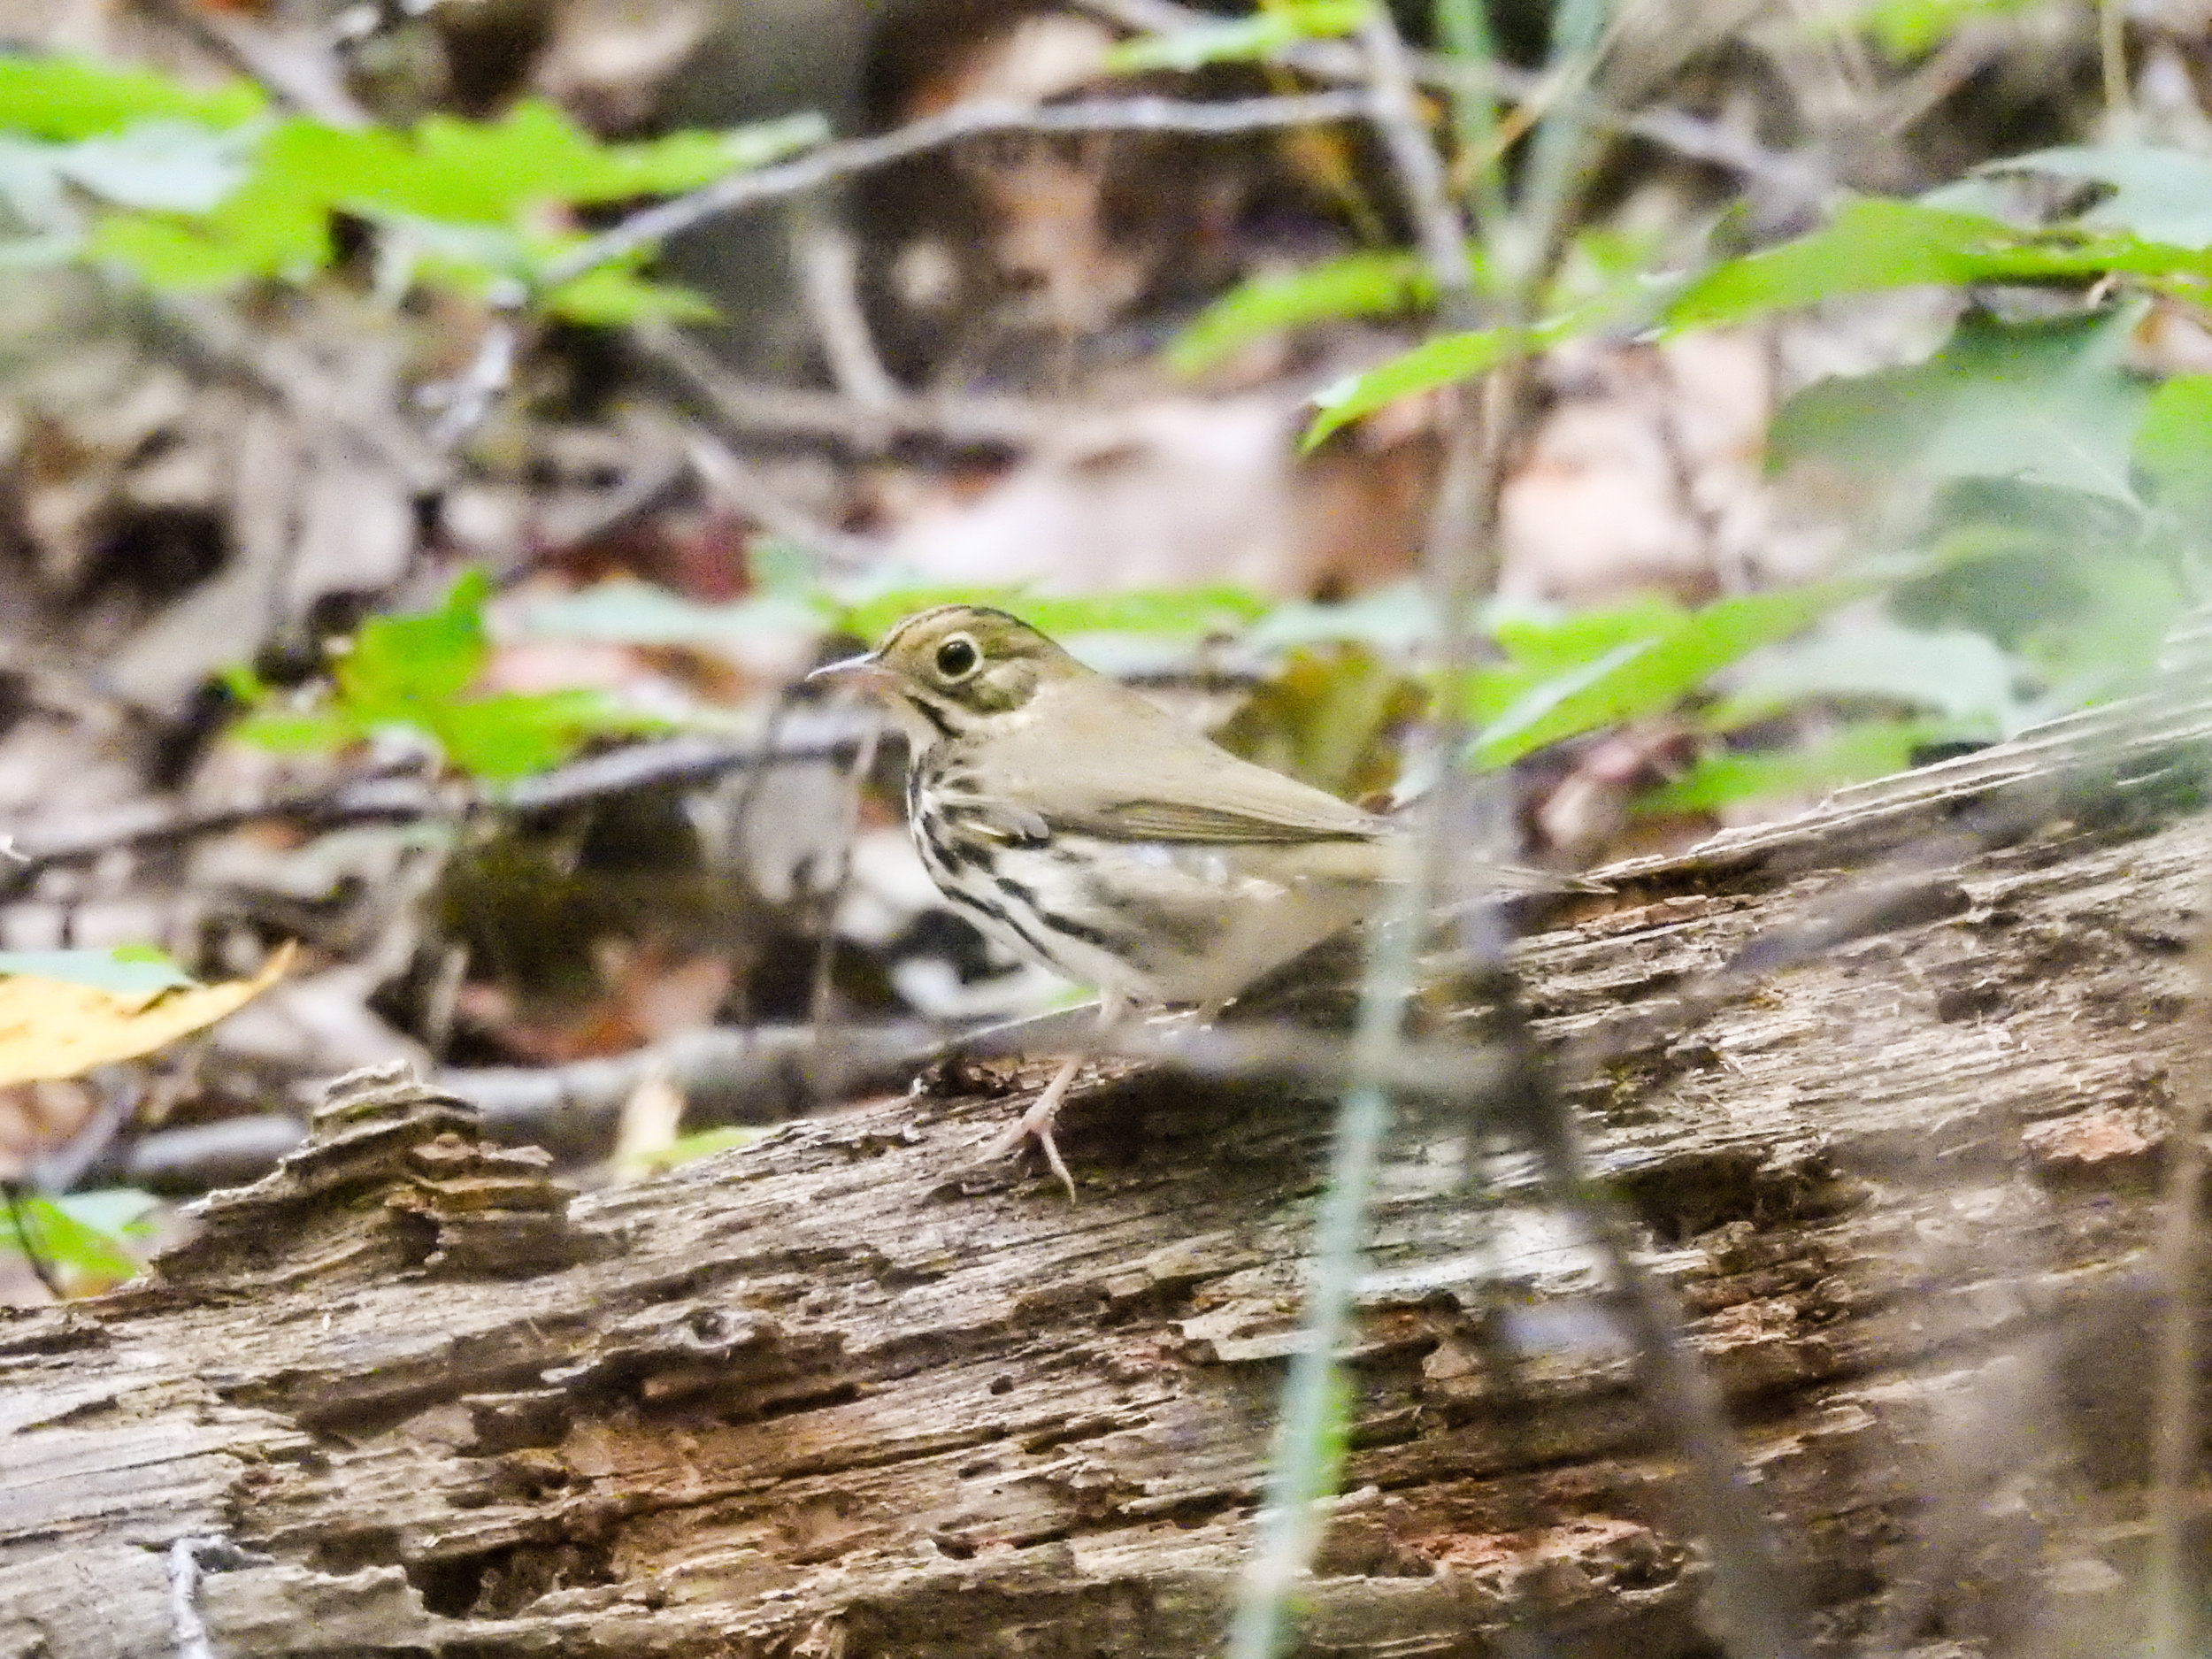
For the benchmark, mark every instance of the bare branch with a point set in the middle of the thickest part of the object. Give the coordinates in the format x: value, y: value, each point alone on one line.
x: 297, y: 65
x: 758, y: 407
x: 740, y: 190
x: 465, y: 402
x: 828, y: 281
x: 1794, y: 178
x: 1439, y: 226
x: 741, y: 486
x: 402, y: 798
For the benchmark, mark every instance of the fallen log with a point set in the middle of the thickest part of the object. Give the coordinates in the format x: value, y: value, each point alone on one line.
x: 841, y: 1392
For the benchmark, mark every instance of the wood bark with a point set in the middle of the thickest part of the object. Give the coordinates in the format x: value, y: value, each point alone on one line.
x: 843, y: 1394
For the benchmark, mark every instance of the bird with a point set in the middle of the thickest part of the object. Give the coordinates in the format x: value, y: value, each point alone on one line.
x: 1086, y: 829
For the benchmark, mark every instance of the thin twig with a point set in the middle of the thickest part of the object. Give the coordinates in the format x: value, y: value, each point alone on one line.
x: 465, y: 402
x: 977, y: 119
x: 277, y: 369
x: 1792, y: 178
x: 739, y: 484
x: 829, y: 282
x: 1289, y: 1529
x: 1754, y: 1603
x: 1554, y: 176
x: 757, y: 407
x: 833, y: 895
x: 404, y: 799
x: 33, y: 1256
x: 1759, y: 1611
x: 1462, y: 29
x: 1440, y: 227
x: 297, y: 66
x: 188, y: 1559
x: 2112, y: 57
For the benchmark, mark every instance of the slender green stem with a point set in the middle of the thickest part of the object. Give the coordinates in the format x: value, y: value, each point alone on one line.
x: 1463, y: 29
x: 1555, y: 148
x: 2112, y: 53
x: 1453, y: 573
x: 1460, y: 563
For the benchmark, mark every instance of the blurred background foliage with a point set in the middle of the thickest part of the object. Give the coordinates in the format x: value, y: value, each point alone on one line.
x: 355, y: 443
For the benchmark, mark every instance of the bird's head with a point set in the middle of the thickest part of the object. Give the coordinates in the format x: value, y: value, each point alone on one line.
x: 954, y: 671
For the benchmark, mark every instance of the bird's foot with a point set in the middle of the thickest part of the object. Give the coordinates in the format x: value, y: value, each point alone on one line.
x: 1036, y: 1125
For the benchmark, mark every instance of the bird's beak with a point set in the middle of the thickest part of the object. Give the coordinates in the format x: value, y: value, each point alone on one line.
x: 864, y: 672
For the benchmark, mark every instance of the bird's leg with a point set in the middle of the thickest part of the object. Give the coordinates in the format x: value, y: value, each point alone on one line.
x: 1036, y: 1123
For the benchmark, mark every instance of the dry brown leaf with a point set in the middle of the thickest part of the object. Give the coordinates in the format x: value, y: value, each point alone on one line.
x: 52, y: 1029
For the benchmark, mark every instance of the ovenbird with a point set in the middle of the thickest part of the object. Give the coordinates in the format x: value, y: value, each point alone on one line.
x: 1088, y: 830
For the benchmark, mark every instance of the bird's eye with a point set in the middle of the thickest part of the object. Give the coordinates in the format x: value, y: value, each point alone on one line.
x: 957, y: 657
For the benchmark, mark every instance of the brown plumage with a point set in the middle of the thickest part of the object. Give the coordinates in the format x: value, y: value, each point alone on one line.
x: 1085, y: 828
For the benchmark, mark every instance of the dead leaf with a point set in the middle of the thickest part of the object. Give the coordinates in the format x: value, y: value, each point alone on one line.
x: 52, y: 1029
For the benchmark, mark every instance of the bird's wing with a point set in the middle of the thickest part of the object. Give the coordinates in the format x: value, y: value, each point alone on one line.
x: 1189, y: 821
x: 1206, y: 795
x: 1115, y: 764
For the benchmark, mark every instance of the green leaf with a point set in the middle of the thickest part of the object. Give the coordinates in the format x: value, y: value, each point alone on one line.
x: 68, y: 98
x: 1452, y: 357
x: 486, y: 173
x: 1599, y: 669
x: 611, y: 297
x: 1908, y: 29
x: 166, y: 254
x: 1957, y: 673
x: 84, y: 1231
x: 1356, y: 285
x: 2046, y: 403
x: 701, y: 1144
x: 1875, y: 243
x: 1542, y: 646
x: 2173, y: 446
x: 1605, y: 265
x: 314, y: 732
x: 513, y: 735
x: 404, y: 669
x: 1238, y: 40
x: 2155, y: 192
x: 1443, y: 361
x: 120, y: 1211
x: 411, y: 674
x: 169, y: 166
x: 126, y: 970
x: 1396, y: 619
x: 277, y: 223
x: 2110, y: 645
x: 2084, y: 611
x: 1871, y: 749
x: 467, y: 191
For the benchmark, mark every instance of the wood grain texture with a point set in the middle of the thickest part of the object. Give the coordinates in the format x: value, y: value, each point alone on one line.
x: 841, y: 1393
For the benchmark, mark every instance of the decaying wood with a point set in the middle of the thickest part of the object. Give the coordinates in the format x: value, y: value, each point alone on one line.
x: 841, y: 1394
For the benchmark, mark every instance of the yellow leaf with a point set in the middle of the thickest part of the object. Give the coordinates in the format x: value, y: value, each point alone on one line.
x: 52, y: 1029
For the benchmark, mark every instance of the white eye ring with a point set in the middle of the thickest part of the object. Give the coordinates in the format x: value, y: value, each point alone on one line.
x: 956, y: 657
